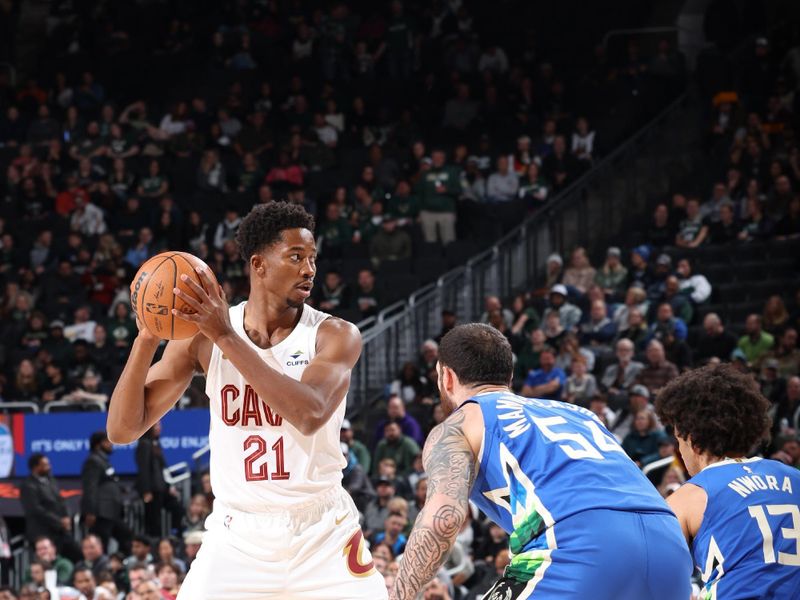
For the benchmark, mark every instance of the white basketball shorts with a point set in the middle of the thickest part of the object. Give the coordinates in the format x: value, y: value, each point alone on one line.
x: 313, y: 552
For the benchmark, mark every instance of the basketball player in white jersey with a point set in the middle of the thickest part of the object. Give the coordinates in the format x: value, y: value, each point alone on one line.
x: 277, y: 372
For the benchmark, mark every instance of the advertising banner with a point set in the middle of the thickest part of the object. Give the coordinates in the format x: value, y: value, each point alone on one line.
x: 64, y: 438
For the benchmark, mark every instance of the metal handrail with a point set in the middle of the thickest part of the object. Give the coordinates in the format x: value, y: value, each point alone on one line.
x: 8, y: 406
x: 507, y: 267
x: 69, y: 403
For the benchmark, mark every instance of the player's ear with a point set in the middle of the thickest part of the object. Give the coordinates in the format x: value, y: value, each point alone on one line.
x: 258, y: 265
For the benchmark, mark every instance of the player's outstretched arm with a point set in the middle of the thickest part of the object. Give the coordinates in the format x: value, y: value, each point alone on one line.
x: 143, y: 393
x: 449, y: 462
x: 306, y: 404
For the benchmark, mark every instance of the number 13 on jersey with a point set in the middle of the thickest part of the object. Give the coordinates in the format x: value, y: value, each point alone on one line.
x: 258, y: 448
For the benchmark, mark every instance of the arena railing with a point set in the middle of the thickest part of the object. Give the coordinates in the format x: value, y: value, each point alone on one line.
x: 20, y: 406
x: 585, y: 214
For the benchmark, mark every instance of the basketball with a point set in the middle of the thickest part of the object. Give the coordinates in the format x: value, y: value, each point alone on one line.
x: 152, y: 299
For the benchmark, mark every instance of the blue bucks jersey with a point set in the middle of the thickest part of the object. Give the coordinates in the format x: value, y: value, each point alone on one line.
x: 748, y: 545
x: 543, y: 461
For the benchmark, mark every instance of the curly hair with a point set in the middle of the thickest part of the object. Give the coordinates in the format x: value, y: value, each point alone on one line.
x: 263, y: 225
x: 721, y: 409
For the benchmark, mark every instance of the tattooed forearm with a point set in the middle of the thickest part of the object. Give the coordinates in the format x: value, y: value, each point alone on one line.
x: 450, y: 466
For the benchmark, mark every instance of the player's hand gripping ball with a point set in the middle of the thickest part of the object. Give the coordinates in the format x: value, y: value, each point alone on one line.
x: 152, y: 298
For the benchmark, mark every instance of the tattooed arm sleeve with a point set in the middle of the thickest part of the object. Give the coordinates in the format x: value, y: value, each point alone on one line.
x: 450, y: 465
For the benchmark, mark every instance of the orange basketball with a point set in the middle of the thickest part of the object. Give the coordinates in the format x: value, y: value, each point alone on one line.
x: 152, y: 299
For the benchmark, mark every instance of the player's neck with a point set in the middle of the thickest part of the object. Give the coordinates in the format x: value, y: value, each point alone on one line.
x: 265, y: 314
x: 465, y: 393
x: 706, y: 460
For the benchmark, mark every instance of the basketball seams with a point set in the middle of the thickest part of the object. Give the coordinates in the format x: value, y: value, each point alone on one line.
x: 174, y: 285
x: 139, y: 310
x: 153, y: 317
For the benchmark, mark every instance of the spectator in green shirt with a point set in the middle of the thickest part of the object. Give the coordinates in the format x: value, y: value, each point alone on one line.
x: 401, y: 448
x: 612, y: 276
x: 357, y: 449
x: 403, y: 204
x: 334, y: 232
x: 438, y: 189
x: 755, y: 343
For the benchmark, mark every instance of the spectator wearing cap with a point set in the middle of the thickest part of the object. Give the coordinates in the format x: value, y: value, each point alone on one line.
x: 389, y: 243
x: 377, y: 509
x: 693, y: 230
x: 555, y: 271
x: 786, y: 353
x: 714, y: 342
x: 620, y: 377
x: 771, y: 383
x: 613, y: 275
x: 438, y: 189
x: 57, y: 345
x: 355, y: 479
x: 756, y: 342
x: 580, y: 274
x: 397, y: 446
x: 657, y: 371
x: 547, y: 381
x: 192, y: 541
x: 640, y: 274
x: 396, y: 411
x: 693, y: 285
x: 663, y: 269
x: 569, y: 314
x: 638, y: 400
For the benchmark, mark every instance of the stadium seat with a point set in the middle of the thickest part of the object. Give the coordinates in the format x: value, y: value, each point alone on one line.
x: 430, y: 268
x: 428, y: 250
x: 398, y: 287
x: 392, y: 267
x: 459, y: 252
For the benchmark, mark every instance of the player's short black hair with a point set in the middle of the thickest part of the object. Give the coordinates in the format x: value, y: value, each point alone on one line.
x: 721, y: 409
x: 34, y: 460
x: 478, y: 354
x: 263, y: 225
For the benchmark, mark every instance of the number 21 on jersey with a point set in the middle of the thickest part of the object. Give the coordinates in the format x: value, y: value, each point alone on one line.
x: 258, y: 449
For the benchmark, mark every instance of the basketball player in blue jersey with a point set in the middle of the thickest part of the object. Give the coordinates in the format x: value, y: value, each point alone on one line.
x: 583, y: 522
x: 741, y: 516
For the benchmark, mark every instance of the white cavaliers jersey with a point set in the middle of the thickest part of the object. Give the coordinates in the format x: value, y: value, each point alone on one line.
x: 258, y: 460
